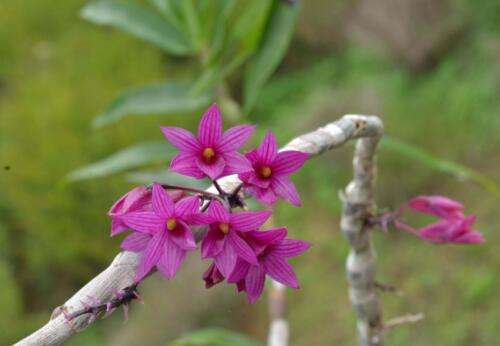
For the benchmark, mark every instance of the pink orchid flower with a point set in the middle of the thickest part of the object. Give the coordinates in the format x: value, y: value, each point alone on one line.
x: 212, y: 153
x: 273, y: 251
x: 270, y: 173
x: 223, y: 241
x: 452, y: 227
x: 162, y: 234
x: 137, y: 199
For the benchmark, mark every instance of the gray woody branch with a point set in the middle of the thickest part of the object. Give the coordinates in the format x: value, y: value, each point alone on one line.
x: 120, y: 273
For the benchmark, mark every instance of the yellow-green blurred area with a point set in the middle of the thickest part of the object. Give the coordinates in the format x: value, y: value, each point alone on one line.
x: 429, y: 68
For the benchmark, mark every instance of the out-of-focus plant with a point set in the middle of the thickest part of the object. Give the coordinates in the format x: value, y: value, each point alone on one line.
x: 222, y: 41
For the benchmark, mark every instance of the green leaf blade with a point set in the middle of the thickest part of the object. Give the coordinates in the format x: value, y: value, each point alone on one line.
x: 457, y: 170
x: 277, y: 38
x: 134, y: 156
x: 214, y: 337
x: 162, y: 98
x: 139, y: 22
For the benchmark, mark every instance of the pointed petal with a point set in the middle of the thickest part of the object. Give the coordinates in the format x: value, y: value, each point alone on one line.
x: 249, y: 220
x: 117, y: 226
x: 242, y: 249
x: 471, y: 237
x: 235, y: 163
x: 151, y: 255
x: 272, y: 236
x: 287, y: 162
x: 268, y: 149
x: 182, y: 139
x: 254, y: 282
x: 171, y: 259
x: 226, y: 260
x: 212, y: 244
x: 234, y: 138
x: 182, y: 237
x: 253, y: 156
x: 439, y: 206
x: 277, y: 268
x: 291, y: 248
x: 239, y: 272
x: 187, y: 207
x: 218, y: 213
x: 437, y: 232
x: 135, y: 242
x: 143, y: 221
x: 210, y: 127
x: 212, y: 276
x: 162, y: 203
x: 185, y: 164
x: 266, y: 196
x: 284, y: 188
x: 213, y: 170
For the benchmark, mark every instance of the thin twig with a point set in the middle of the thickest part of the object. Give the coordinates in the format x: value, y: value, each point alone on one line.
x: 410, y: 318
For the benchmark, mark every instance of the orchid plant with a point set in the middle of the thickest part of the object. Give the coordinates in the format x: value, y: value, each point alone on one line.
x: 166, y: 221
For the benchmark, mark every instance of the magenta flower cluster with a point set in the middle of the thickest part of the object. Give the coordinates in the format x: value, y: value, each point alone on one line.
x: 452, y: 226
x: 163, y: 218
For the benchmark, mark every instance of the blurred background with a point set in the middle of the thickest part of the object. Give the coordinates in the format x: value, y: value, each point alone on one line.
x: 80, y: 109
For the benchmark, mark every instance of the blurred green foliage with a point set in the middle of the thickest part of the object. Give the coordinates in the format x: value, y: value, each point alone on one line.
x: 57, y: 71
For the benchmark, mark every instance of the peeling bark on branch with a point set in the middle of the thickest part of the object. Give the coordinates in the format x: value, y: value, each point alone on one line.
x: 121, y: 272
x: 358, y: 206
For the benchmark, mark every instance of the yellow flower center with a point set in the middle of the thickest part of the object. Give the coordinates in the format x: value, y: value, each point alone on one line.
x: 171, y: 224
x: 224, y: 228
x: 265, y: 172
x: 208, y: 154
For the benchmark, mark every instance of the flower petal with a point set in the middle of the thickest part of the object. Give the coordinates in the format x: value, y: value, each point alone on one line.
x: 143, y: 221
x: 234, y: 138
x: 162, y: 203
x: 185, y: 164
x: 210, y: 127
x: 437, y: 232
x: 212, y: 276
x: 290, y: 248
x: 242, y: 249
x: 287, y: 162
x: 212, y: 170
x: 235, y: 163
x: 212, y: 244
x: 182, y: 237
x: 151, y: 255
x: 239, y: 272
x: 171, y: 259
x: 185, y: 208
x: 268, y: 149
x: 135, y: 242
x: 249, y: 220
x: 280, y: 270
x: 272, y: 236
x: 218, y: 213
x: 254, y: 282
x: 471, y: 237
x: 226, y: 259
x: 283, y: 187
x: 265, y: 196
x: 439, y: 206
x: 182, y: 139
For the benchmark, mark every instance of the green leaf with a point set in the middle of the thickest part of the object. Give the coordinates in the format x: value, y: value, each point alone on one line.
x: 214, y: 337
x: 138, y: 21
x: 167, y: 98
x: 165, y: 177
x: 131, y: 157
x: 459, y: 171
x: 275, y: 42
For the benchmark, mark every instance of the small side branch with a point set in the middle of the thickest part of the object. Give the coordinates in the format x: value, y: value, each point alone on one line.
x: 397, y: 321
